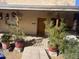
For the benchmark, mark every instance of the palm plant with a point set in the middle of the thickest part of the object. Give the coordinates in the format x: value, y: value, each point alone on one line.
x: 56, y: 34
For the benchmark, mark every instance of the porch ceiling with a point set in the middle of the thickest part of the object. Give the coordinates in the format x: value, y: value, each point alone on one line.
x: 39, y: 7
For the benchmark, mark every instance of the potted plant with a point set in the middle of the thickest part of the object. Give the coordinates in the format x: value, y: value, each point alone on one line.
x: 56, y: 35
x: 16, y: 32
x: 5, y: 40
x: 19, y: 41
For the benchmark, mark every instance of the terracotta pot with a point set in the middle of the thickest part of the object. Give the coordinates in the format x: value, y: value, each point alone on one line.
x: 52, y: 49
x: 19, y: 44
x: 5, y: 45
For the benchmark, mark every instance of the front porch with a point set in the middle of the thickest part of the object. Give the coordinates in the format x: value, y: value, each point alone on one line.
x: 32, y: 22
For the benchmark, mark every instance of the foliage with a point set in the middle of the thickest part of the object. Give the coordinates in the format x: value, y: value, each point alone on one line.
x: 71, y: 49
x: 15, y: 29
x: 6, y: 37
x: 56, y: 34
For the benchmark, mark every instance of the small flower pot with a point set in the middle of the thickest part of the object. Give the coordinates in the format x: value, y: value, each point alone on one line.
x: 19, y: 43
x: 52, y: 49
x: 5, y: 45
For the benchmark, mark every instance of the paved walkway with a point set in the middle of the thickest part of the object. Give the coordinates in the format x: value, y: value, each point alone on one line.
x: 13, y: 55
x: 34, y: 53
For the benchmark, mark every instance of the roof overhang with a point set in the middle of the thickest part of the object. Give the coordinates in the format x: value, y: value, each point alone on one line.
x: 39, y: 7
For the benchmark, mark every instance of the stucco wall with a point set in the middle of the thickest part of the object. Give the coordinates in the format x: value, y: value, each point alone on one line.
x: 28, y: 22
x: 40, y: 2
x: 3, y: 26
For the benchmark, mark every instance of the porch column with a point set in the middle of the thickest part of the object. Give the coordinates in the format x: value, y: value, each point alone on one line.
x: 57, y: 20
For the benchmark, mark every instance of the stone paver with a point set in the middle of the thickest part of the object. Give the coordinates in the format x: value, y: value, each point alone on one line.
x: 57, y: 57
x: 43, y: 54
x: 13, y: 55
x: 34, y: 53
x: 45, y: 43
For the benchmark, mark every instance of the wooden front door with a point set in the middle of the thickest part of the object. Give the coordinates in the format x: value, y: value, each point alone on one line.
x: 41, y: 27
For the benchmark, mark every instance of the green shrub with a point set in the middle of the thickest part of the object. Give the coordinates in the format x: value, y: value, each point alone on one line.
x: 56, y: 34
x: 5, y: 38
x: 71, y: 49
